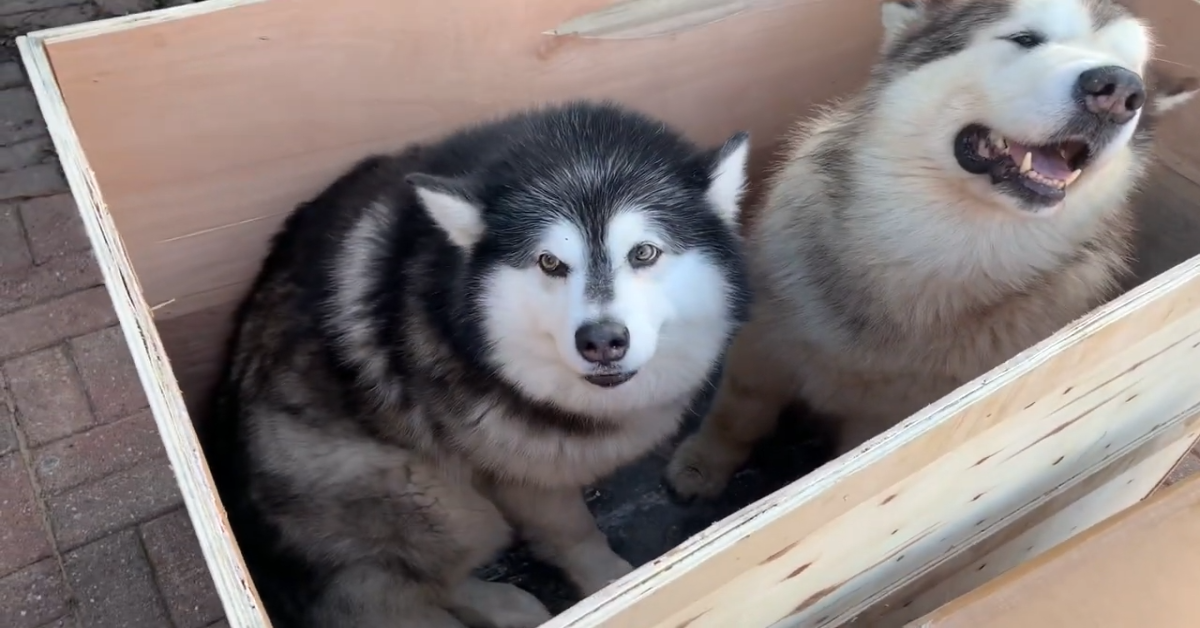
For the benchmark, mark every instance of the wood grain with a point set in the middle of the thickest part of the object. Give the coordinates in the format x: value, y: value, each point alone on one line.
x: 187, y: 134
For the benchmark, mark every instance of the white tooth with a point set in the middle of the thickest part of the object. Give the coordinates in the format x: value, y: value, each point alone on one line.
x: 1074, y: 175
x: 1027, y: 164
x: 1063, y: 152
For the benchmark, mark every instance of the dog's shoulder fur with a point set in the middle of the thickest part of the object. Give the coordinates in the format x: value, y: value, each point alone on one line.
x: 848, y: 252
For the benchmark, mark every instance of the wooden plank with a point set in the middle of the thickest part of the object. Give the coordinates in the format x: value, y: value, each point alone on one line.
x: 1055, y: 517
x: 1139, y: 568
x: 206, y: 136
x: 224, y: 561
x: 206, y: 139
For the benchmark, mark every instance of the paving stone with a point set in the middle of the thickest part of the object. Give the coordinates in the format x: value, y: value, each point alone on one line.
x: 126, y: 7
x: 97, y: 453
x: 47, y: 323
x: 20, y: 117
x: 40, y: 180
x: 23, y: 538
x: 11, y: 74
x: 102, y: 482
x: 16, y: 7
x: 122, y: 499
x: 180, y: 570
x: 39, y: 150
x: 33, y: 596
x: 109, y: 375
x: 48, y: 395
x: 8, y: 421
x: 53, y: 227
x: 113, y: 584
x: 14, y: 252
x: 57, y: 277
x: 23, y: 23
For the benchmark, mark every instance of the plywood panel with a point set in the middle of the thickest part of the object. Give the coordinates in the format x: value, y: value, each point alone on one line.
x: 1138, y: 569
x: 1085, y: 500
x: 242, y: 113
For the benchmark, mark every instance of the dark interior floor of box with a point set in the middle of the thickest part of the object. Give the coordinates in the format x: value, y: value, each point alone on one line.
x: 643, y: 522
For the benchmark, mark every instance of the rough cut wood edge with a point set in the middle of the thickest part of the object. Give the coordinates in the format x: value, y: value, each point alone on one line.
x: 1128, y: 525
x: 1121, y: 492
x: 1071, y: 509
x: 651, y: 18
x: 233, y: 584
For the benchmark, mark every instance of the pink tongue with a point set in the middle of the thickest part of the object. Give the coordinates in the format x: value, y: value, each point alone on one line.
x: 1047, y: 164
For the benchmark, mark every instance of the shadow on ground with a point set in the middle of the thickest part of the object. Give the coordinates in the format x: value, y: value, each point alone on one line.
x: 643, y: 522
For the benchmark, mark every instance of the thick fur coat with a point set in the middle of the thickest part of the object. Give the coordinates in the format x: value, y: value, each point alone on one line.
x: 432, y: 359
x: 930, y: 227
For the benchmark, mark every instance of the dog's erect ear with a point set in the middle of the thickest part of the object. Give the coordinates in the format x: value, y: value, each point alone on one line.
x: 898, y: 15
x: 1169, y: 88
x: 727, y: 177
x: 452, y: 205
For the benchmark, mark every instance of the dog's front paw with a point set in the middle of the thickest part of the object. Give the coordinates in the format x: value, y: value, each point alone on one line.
x: 602, y: 569
x: 482, y: 604
x: 519, y: 610
x: 700, y: 468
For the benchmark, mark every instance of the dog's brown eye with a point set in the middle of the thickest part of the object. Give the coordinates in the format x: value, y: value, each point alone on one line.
x: 551, y: 265
x: 1027, y: 39
x: 644, y: 255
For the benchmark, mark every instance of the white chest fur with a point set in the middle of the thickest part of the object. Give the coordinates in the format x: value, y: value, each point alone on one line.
x: 517, y: 449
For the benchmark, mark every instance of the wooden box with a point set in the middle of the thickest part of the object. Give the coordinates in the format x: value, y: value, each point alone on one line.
x: 187, y: 134
x: 1137, y: 568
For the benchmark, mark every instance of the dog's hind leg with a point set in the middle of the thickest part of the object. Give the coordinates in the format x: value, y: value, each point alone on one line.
x: 391, y: 535
x: 379, y: 594
x: 754, y: 390
x: 371, y: 596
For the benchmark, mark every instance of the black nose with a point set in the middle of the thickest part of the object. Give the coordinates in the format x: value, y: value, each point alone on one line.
x: 602, y: 341
x: 1112, y: 92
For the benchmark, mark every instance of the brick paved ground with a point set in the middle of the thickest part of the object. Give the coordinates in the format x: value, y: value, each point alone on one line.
x: 92, y: 530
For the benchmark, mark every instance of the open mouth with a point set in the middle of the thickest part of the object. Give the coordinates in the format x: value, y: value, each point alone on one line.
x: 609, y: 380
x: 1039, y: 175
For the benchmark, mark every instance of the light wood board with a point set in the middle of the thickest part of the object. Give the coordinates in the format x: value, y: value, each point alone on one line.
x: 187, y: 135
x: 242, y: 113
x: 1138, y: 568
